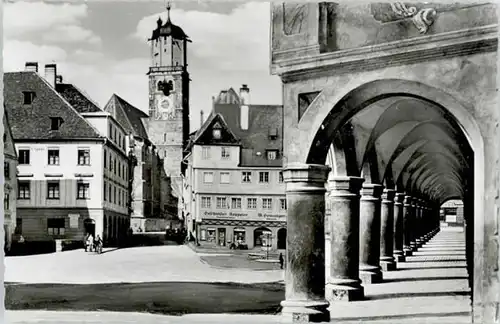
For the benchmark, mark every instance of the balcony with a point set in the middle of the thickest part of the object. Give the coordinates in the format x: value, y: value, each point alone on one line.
x: 162, y: 69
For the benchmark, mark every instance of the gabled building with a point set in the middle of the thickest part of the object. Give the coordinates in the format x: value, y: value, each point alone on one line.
x: 233, y: 188
x: 148, y: 186
x: 72, y: 161
x: 10, y: 183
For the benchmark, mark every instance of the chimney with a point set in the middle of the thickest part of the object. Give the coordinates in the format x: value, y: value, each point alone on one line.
x: 50, y: 74
x: 245, y: 101
x: 31, y: 67
x: 59, y: 79
x: 201, y: 118
x: 245, y: 95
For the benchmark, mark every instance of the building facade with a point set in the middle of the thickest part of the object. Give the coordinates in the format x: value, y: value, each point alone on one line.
x: 72, y: 165
x: 10, y: 184
x: 233, y: 188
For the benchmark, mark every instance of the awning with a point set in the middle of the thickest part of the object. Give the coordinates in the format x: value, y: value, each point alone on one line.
x: 210, y: 229
x: 239, y: 230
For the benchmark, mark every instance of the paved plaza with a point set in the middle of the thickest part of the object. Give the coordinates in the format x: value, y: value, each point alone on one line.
x: 431, y: 287
x: 142, y: 264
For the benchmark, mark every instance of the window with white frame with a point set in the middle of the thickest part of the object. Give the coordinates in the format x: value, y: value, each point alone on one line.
x: 267, y: 203
x: 205, y: 153
x: 23, y: 190
x: 251, y: 203
x: 282, y: 204
x: 236, y: 203
x: 206, y: 202
x: 221, y: 203
x: 24, y: 156
x: 53, y: 156
x: 225, y: 177
x: 208, y: 177
x: 264, y: 177
x: 83, y: 190
x: 272, y: 154
x: 280, y: 177
x: 224, y: 153
x: 53, y: 190
x: 246, y: 176
x: 83, y: 157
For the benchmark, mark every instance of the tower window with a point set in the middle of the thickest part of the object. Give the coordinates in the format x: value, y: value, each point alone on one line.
x: 164, y: 137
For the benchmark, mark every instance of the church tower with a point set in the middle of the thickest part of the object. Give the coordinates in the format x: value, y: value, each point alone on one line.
x: 168, y: 124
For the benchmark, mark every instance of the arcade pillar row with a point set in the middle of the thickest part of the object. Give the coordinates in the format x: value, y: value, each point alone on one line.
x: 371, y: 229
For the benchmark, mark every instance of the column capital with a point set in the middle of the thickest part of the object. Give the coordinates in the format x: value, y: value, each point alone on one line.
x: 388, y: 195
x: 371, y: 191
x: 345, y: 186
x: 407, y: 200
x: 399, y: 198
x: 305, y: 177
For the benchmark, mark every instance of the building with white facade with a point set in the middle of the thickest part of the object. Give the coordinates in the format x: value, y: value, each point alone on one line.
x: 72, y: 160
x: 233, y: 188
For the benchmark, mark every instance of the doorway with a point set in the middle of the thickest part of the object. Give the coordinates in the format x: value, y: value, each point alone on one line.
x: 282, y: 239
x: 222, y: 236
x: 89, y: 226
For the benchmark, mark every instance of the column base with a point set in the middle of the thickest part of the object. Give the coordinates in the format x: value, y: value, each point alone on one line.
x: 305, y: 311
x: 388, y: 265
x: 418, y: 243
x: 370, y: 277
x: 413, y: 246
x: 344, y: 290
x: 399, y: 256
x: 408, y: 252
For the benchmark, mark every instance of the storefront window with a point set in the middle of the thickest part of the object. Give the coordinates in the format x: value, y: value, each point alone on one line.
x: 239, y: 235
x: 203, y: 235
x: 211, y: 235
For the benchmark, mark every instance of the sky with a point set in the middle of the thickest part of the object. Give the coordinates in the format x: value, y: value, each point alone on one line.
x: 102, y: 47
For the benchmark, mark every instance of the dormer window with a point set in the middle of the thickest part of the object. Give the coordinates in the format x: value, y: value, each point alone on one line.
x: 216, y: 131
x: 272, y: 155
x: 29, y: 96
x: 55, y: 123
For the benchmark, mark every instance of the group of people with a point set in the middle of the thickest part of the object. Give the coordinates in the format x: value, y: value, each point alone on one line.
x: 91, y: 244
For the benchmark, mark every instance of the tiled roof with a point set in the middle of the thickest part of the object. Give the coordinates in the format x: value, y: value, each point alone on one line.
x: 203, y: 137
x: 80, y: 101
x: 127, y: 115
x: 263, y: 120
x: 33, y: 121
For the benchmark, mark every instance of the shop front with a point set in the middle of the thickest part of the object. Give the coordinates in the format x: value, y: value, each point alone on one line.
x: 242, y: 234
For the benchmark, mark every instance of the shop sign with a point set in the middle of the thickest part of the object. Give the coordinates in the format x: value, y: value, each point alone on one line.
x: 73, y: 220
x: 271, y: 216
x: 242, y: 215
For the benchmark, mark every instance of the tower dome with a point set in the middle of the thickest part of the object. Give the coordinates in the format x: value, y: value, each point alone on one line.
x: 168, y: 29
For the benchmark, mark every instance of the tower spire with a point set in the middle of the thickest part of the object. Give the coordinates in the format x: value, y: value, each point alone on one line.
x: 168, y: 11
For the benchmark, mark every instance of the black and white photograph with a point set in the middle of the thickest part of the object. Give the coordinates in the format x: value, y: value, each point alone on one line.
x: 250, y: 162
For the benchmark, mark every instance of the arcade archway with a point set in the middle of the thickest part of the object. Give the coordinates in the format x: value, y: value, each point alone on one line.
x: 397, y: 150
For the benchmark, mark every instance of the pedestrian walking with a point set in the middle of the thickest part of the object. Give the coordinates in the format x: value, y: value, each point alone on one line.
x: 281, y: 260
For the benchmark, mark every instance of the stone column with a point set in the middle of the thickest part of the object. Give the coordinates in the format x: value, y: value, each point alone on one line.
x: 418, y: 223
x: 305, y: 264
x: 414, y: 223
x: 398, y: 227
x: 369, y: 236
x: 407, y: 226
x: 387, y: 262
x: 343, y: 283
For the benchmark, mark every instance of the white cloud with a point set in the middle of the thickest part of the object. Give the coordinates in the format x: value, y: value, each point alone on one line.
x: 17, y: 53
x: 70, y: 34
x: 220, y: 40
x: 56, y: 22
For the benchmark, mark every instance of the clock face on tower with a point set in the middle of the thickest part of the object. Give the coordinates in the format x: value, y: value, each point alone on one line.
x: 165, y: 108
